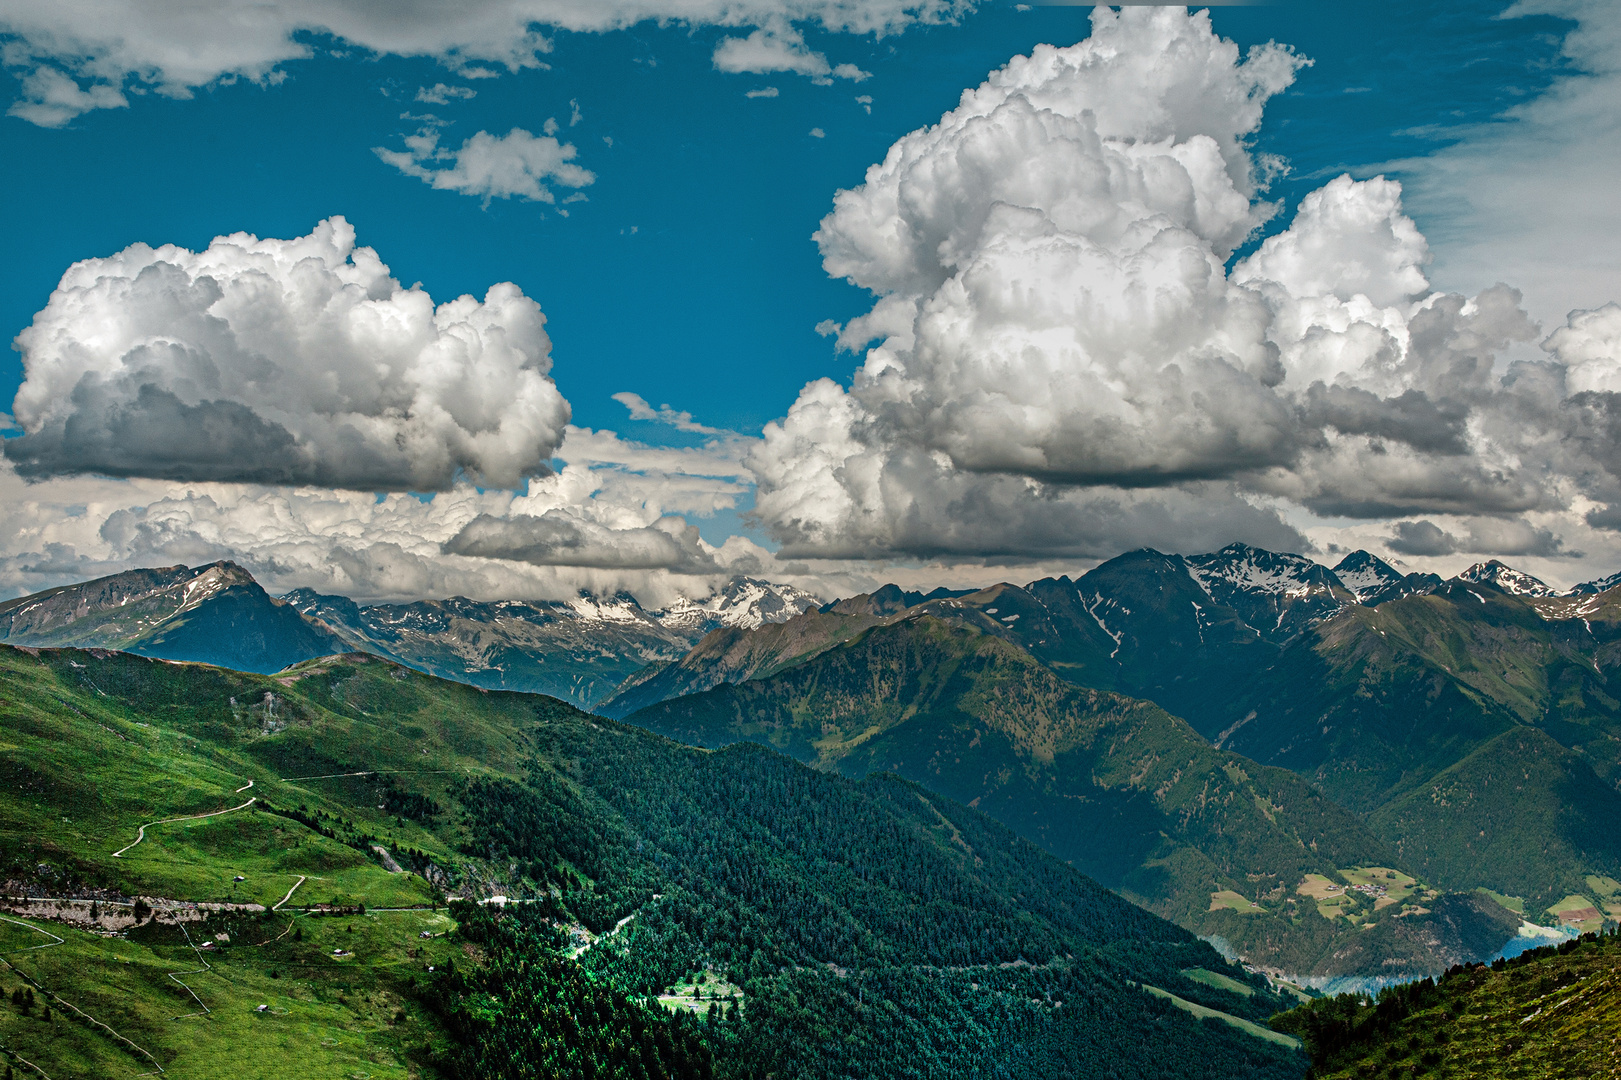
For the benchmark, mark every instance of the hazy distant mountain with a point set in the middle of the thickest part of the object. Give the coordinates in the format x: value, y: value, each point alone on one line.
x: 579, y: 650
x: 213, y: 614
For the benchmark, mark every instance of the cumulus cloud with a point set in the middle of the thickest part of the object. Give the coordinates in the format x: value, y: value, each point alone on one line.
x: 517, y: 164
x: 295, y: 361
x: 78, y: 55
x: 764, y: 91
x: 1057, y: 348
x: 1589, y: 345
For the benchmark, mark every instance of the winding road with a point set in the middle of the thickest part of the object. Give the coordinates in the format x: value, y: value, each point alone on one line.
x: 141, y: 835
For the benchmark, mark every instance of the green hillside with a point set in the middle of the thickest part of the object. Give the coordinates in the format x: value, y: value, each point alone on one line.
x: 689, y: 913
x: 1117, y: 787
x: 1521, y: 815
x: 733, y: 654
x: 1551, y: 1013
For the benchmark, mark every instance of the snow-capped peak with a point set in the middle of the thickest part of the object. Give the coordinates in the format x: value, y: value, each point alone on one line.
x: 1510, y: 580
x: 744, y: 602
x: 1239, y: 567
x: 620, y: 608
x: 1603, y: 584
x: 1365, y: 574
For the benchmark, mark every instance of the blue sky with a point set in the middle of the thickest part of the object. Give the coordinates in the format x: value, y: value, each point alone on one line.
x: 688, y: 274
x: 711, y: 304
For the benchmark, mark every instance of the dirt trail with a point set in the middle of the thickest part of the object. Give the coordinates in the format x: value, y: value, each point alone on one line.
x: 289, y: 896
x: 141, y: 835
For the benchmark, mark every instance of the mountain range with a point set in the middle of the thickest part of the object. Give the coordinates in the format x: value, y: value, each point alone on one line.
x: 1334, y: 772
x: 1334, y: 786
x: 578, y: 650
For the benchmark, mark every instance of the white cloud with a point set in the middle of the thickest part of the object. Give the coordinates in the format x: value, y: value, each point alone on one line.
x: 1590, y: 345
x: 817, y: 133
x: 681, y: 421
x: 295, y: 361
x: 77, y: 55
x: 51, y: 99
x: 764, y: 91
x: 770, y: 50
x: 1062, y: 363
x: 601, y: 510
x: 778, y: 47
x: 495, y: 166
x: 441, y: 94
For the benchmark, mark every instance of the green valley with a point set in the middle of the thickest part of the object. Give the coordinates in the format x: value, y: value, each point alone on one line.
x: 797, y: 923
x: 1121, y: 789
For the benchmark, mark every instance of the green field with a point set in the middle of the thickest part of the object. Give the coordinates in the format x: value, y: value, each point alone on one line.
x: 1227, y: 898
x: 1247, y: 1026
x: 118, y: 1006
x: 1219, y: 981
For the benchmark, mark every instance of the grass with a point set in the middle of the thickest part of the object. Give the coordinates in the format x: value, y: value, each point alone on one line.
x: 325, y: 1018
x: 1515, y: 904
x: 1385, y: 886
x: 1219, y: 981
x: 1227, y: 898
x: 93, y: 748
x: 1247, y: 1026
x: 1553, y: 1012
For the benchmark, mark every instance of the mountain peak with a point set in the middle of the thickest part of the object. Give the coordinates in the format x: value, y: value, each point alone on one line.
x: 1366, y: 574
x: 744, y: 602
x: 1256, y: 570
x: 1603, y: 584
x: 1512, y: 581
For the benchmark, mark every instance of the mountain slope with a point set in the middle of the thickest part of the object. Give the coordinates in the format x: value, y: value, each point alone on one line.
x: 1118, y: 787
x: 791, y: 904
x: 1377, y: 700
x: 1521, y: 815
x: 733, y: 654
x: 210, y: 614
x: 1552, y: 1012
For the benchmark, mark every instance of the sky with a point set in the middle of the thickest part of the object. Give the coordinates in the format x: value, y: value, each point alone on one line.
x: 640, y: 294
